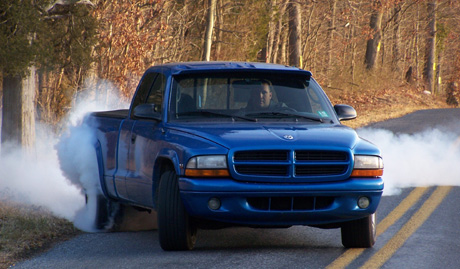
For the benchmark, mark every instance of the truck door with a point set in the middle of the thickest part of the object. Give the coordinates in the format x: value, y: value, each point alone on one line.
x: 122, y: 158
x: 144, y: 147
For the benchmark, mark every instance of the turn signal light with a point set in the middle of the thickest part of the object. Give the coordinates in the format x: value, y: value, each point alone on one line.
x: 367, y: 173
x: 207, y: 173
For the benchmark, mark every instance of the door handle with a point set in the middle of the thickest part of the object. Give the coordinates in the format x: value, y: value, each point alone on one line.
x: 133, y: 138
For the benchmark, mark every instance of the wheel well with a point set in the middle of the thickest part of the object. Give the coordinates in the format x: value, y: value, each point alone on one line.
x: 100, y: 166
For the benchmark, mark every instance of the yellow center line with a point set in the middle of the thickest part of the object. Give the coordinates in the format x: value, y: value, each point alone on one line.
x: 351, y: 254
x: 409, y: 228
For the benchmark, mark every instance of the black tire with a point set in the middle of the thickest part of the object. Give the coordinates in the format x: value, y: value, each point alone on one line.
x: 107, y: 214
x: 103, y: 208
x: 175, y: 227
x: 359, y: 233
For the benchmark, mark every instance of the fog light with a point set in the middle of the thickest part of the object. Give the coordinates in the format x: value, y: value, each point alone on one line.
x: 214, y: 203
x: 363, y: 202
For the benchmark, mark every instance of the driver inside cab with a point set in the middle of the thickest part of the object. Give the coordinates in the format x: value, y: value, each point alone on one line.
x: 262, y: 98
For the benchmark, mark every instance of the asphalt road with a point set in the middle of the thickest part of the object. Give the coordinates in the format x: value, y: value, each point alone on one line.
x: 418, y: 228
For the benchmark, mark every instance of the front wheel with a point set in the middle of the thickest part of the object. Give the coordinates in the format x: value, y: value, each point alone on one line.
x: 175, y: 227
x: 359, y: 233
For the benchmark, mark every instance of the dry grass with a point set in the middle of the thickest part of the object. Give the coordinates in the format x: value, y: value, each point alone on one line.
x: 25, y: 231
x: 379, y: 105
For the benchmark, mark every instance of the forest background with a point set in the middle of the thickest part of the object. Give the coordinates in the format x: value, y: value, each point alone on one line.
x: 361, y: 51
x: 384, y: 57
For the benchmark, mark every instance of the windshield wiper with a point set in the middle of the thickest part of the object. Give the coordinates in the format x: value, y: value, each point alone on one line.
x: 285, y: 114
x: 213, y: 113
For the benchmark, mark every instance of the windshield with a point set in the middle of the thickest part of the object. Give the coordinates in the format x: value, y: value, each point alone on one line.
x: 248, y: 98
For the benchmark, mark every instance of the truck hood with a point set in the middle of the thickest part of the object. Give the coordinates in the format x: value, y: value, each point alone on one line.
x: 260, y: 135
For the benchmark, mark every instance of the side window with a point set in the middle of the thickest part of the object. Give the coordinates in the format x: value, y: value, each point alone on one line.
x: 144, y: 89
x: 315, y: 101
x: 155, y: 96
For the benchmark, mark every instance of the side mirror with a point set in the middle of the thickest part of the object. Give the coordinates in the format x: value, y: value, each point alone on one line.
x: 147, y: 111
x: 345, y: 112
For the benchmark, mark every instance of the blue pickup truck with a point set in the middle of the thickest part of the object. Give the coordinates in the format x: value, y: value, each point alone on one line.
x: 217, y: 144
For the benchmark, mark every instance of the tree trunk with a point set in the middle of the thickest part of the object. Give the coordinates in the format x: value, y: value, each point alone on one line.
x: 416, y: 49
x: 353, y: 46
x: 18, y: 116
x: 271, y: 31
x: 209, y: 28
x: 438, y: 74
x: 43, y: 88
x: 373, y: 43
x: 294, y: 35
x: 397, y: 40
x: 330, y: 37
x: 430, y: 47
x: 219, y: 32
x: 278, y: 33
x: 284, y: 43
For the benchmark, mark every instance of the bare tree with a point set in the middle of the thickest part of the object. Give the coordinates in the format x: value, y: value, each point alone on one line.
x: 219, y: 26
x: 430, y: 47
x: 376, y: 35
x: 18, y: 117
x: 20, y: 22
x: 294, y: 34
x: 209, y: 30
x: 330, y: 37
x: 396, y: 38
x: 275, y: 31
x: 271, y: 31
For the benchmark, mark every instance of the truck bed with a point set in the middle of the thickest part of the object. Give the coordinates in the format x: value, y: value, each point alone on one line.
x: 118, y: 114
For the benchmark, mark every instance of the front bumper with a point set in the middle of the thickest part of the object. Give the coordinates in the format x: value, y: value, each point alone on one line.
x: 277, y: 204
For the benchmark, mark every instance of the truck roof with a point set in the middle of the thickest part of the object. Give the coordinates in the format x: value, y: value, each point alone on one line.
x: 229, y: 66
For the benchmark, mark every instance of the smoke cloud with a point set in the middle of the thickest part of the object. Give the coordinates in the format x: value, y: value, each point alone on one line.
x: 427, y: 158
x: 35, y: 177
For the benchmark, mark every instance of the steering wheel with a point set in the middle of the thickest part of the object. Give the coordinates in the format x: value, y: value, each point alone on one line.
x: 286, y: 109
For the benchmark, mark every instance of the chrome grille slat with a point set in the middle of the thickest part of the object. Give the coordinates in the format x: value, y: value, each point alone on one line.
x: 306, y: 170
x: 278, y: 170
x: 261, y: 155
x: 317, y: 155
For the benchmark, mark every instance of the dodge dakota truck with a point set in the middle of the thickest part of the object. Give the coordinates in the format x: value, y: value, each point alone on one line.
x: 216, y: 144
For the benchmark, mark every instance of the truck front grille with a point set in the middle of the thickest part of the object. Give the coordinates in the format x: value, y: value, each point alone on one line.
x: 297, y: 165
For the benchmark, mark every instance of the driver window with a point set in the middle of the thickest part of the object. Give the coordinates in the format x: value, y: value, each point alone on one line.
x: 144, y: 88
x: 155, y: 95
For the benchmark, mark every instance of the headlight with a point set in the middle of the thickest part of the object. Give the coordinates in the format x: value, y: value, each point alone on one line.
x: 367, y: 166
x: 207, y: 166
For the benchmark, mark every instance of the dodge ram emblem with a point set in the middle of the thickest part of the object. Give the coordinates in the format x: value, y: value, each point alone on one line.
x: 289, y: 137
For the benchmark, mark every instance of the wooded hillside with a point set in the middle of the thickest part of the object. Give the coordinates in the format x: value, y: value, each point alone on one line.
x: 349, y: 45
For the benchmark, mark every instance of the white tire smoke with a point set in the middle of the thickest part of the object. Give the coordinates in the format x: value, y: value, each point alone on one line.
x: 429, y: 158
